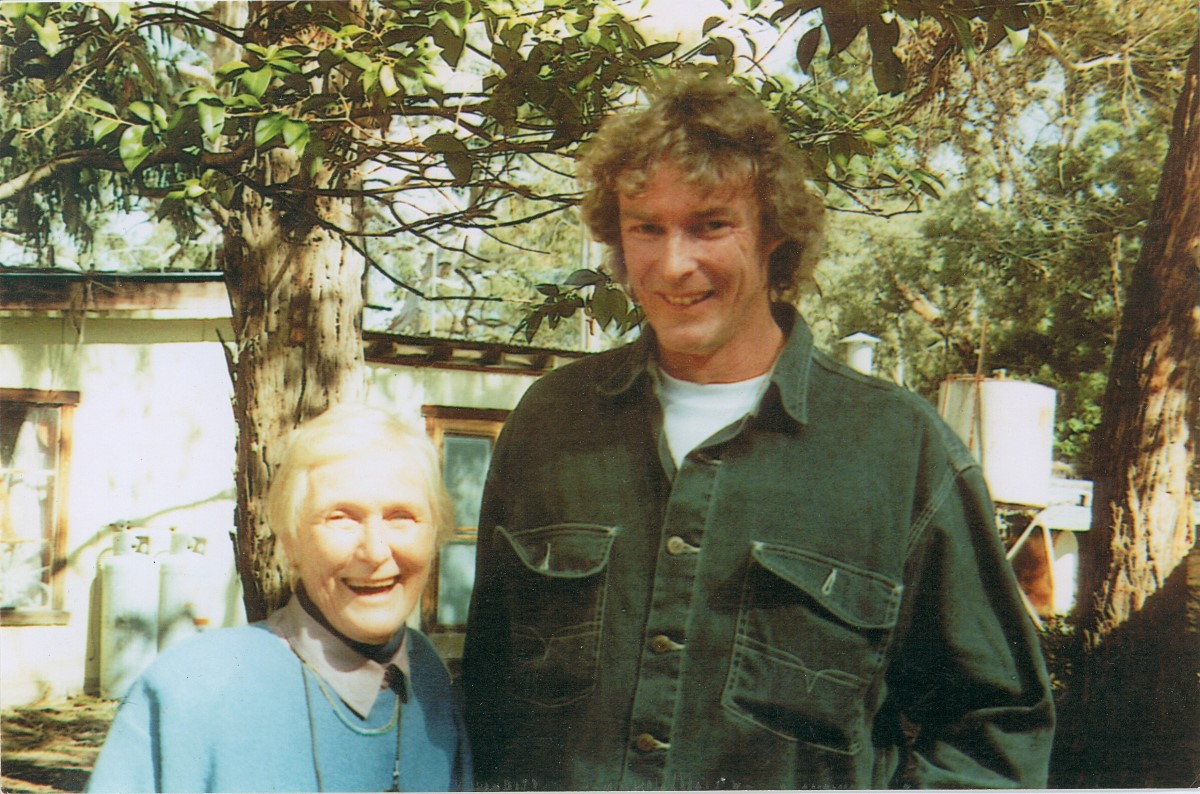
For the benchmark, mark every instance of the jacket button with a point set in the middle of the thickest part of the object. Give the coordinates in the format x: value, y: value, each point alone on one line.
x: 677, y: 545
x: 664, y: 644
x: 648, y: 744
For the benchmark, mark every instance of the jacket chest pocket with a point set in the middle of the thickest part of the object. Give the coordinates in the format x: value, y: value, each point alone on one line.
x: 811, y: 636
x: 557, y: 596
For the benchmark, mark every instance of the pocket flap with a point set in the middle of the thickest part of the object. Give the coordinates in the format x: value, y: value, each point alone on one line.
x: 565, y: 551
x: 861, y: 598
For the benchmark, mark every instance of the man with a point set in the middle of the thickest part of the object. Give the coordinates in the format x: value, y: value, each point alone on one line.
x: 716, y: 558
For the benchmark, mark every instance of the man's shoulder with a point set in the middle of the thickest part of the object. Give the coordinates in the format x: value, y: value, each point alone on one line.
x: 859, y: 397
x: 585, y: 376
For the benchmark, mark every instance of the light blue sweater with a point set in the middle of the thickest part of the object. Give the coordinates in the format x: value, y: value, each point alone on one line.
x: 228, y: 711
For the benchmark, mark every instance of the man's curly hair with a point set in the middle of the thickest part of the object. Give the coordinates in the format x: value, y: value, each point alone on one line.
x: 719, y: 136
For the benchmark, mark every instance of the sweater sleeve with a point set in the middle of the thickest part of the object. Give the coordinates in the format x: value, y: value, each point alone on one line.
x: 130, y: 759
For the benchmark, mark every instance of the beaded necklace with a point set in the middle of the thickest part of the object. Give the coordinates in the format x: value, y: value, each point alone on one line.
x: 395, y: 722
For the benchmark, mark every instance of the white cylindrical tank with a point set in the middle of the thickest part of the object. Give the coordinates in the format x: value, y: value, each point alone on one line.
x: 188, y: 590
x: 128, y: 613
x: 858, y: 351
x: 1009, y: 426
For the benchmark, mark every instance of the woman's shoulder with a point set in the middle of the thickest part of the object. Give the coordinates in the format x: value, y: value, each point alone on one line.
x: 218, y: 657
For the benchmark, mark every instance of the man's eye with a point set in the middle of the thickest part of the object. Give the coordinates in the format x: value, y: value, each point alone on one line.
x: 646, y: 229
x: 715, y: 227
x: 399, y: 516
x: 339, y: 518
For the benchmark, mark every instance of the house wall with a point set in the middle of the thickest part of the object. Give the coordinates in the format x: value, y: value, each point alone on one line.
x: 153, y: 447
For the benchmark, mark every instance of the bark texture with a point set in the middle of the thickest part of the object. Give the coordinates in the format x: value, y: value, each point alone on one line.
x: 1134, y: 713
x: 296, y: 290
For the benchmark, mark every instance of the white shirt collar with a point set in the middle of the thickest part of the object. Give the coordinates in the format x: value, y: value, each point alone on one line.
x: 356, y: 679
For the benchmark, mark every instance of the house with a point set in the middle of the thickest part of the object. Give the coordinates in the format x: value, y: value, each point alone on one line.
x: 117, y: 460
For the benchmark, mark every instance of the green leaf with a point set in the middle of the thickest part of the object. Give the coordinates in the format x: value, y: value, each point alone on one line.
x: 212, y: 119
x: 96, y: 103
x: 256, y: 81
x: 103, y: 128
x: 966, y: 40
x: 47, y: 34
x: 232, y: 68
x: 296, y: 135
x: 131, y: 148
x: 549, y: 290
x: 655, y: 51
x: 267, y: 128
x: 142, y: 110
x: 356, y: 58
x: 807, y: 48
x: 1017, y: 38
x: 444, y: 142
x: 460, y: 166
x: 875, y: 136
x: 843, y: 29
x: 584, y: 278
x: 387, y: 80
x: 709, y: 24
x: 451, y: 43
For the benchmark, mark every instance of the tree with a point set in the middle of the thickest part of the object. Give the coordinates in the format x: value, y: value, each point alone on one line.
x: 1030, y: 249
x: 421, y: 110
x: 1134, y: 718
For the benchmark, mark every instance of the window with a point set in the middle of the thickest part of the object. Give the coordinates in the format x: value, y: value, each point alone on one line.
x: 465, y: 437
x: 35, y: 443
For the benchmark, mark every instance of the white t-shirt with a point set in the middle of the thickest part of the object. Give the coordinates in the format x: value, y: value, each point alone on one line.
x: 694, y: 411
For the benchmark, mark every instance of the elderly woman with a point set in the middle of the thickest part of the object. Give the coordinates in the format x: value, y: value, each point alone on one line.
x: 333, y: 691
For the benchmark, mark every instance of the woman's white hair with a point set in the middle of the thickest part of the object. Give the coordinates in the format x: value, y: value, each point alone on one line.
x: 345, y: 431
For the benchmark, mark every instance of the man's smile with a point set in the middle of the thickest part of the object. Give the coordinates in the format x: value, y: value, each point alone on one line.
x: 684, y: 301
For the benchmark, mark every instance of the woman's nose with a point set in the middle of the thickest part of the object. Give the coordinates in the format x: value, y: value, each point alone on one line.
x: 373, y: 541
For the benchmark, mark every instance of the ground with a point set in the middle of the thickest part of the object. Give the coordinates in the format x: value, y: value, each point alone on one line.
x: 51, y: 747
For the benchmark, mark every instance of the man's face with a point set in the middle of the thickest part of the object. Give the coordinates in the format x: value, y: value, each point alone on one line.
x: 365, y: 543
x: 698, y: 266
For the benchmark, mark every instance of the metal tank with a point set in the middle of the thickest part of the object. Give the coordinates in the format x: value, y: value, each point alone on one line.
x: 1009, y: 426
x: 129, y: 582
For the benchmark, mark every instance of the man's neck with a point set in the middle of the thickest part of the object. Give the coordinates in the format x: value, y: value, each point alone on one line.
x: 728, y: 364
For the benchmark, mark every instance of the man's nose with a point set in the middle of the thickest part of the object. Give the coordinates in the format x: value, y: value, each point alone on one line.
x: 679, y: 256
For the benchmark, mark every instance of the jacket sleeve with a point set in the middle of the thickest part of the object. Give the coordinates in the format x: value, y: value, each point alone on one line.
x: 969, y: 678
x: 486, y: 669
x: 130, y: 758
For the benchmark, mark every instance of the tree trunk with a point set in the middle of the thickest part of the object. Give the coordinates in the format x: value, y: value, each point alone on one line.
x: 1133, y: 716
x: 296, y: 290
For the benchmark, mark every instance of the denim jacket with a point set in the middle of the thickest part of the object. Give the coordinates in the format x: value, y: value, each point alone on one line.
x: 816, y: 598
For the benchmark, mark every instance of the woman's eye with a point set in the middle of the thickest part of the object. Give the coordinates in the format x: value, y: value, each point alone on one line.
x: 339, y: 518
x: 399, y: 516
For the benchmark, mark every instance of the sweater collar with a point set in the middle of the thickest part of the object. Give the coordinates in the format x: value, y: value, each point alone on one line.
x: 356, y: 678
x: 790, y: 376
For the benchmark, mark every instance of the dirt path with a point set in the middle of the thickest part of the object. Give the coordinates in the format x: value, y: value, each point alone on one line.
x: 52, y: 747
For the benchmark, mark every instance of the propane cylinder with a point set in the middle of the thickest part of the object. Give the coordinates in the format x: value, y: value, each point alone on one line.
x: 187, y: 588
x: 128, y: 613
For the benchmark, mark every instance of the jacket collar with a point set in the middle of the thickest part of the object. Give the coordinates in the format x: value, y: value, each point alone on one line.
x: 790, y: 376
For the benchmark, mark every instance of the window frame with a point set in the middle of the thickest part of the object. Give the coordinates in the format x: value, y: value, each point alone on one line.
x: 55, y: 555
x: 441, y: 420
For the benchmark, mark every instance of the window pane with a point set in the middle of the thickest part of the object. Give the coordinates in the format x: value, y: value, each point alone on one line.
x: 467, y: 459
x: 456, y: 578
x: 28, y: 464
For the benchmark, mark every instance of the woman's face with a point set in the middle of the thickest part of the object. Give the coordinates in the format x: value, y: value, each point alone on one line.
x: 365, y: 543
